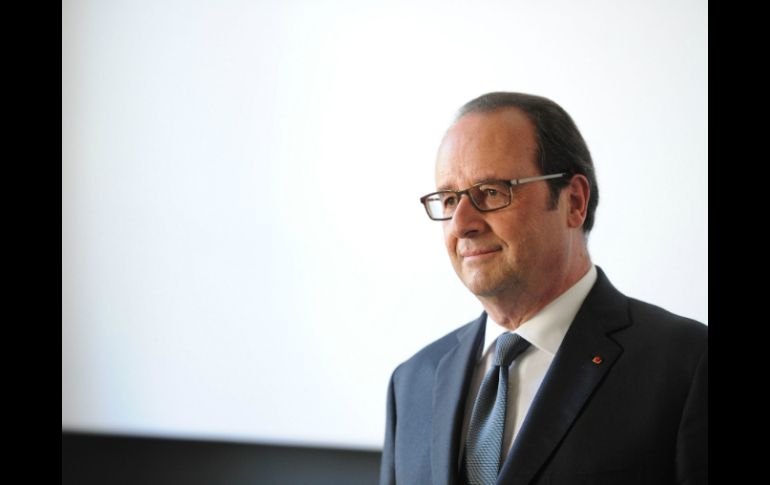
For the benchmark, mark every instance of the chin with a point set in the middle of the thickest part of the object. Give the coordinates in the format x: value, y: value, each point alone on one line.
x: 482, y: 287
x: 485, y: 285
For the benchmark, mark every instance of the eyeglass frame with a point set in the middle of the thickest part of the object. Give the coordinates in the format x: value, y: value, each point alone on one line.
x: 511, y: 183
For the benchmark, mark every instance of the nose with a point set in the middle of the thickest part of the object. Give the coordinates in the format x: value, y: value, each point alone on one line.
x: 467, y: 221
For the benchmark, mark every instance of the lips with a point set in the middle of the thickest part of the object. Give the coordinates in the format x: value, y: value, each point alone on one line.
x: 473, y: 253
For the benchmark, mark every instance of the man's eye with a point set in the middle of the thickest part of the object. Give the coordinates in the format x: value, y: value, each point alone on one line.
x: 450, y: 201
x: 491, y: 192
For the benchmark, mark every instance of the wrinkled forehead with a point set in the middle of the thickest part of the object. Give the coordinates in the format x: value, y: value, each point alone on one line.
x: 500, y: 144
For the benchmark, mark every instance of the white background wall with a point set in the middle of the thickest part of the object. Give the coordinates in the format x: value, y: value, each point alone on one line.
x: 244, y: 254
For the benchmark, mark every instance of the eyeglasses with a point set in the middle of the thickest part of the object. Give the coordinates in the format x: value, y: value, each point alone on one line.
x: 485, y: 196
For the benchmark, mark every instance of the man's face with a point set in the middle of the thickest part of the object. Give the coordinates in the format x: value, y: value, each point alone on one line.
x: 520, y: 248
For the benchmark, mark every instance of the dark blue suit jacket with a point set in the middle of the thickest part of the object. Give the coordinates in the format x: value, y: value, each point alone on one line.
x: 638, y: 417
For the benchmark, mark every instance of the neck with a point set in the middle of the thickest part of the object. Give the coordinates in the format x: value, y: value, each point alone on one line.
x: 517, y: 305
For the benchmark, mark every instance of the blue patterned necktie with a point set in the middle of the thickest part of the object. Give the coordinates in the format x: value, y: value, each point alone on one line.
x: 483, y: 446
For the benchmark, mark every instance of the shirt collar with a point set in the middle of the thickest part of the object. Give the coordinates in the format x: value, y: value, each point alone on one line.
x: 547, y: 328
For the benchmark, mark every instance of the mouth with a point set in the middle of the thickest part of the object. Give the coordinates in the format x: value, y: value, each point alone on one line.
x: 479, y: 254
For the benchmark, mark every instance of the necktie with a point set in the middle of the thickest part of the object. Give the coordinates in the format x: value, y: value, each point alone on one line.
x: 485, y: 431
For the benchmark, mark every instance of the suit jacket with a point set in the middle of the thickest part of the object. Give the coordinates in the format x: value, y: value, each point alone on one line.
x: 638, y: 416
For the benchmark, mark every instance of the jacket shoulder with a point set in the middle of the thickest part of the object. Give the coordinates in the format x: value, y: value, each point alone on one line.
x: 665, y: 342
x: 666, y: 324
x: 429, y: 356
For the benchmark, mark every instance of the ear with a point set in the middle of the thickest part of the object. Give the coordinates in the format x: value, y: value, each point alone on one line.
x: 577, y: 193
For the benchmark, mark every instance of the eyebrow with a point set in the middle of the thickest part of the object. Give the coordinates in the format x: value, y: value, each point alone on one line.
x: 488, y: 179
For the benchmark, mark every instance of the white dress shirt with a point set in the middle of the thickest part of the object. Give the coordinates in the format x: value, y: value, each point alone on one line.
x: 545, y: 332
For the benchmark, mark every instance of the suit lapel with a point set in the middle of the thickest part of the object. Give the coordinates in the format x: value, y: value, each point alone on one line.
x: 571, y: 379
x: 452, y: 378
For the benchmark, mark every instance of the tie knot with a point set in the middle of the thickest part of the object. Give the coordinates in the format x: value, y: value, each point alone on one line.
x: 508, y: 347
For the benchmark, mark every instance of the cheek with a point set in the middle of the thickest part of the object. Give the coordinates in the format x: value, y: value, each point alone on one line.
x: 446, y: 232
x: 518, y: 238
x: 450, y: 242
x: 510, y: 232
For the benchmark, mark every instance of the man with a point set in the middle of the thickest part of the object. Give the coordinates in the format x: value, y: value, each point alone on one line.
x: 562, y: 380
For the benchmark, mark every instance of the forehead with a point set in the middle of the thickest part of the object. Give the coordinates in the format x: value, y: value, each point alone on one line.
x: 496, y: 145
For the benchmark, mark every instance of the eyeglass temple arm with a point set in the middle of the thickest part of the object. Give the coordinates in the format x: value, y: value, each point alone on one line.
x: 535, y: 179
